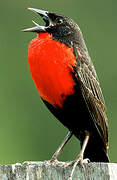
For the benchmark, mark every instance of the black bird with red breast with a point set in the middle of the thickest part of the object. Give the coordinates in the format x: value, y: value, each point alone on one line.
x: 67, y: 82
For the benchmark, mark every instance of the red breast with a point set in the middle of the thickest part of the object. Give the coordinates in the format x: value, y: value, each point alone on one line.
x: 51, y: 64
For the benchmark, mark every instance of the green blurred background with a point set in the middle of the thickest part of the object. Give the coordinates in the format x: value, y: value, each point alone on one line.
x: 28, y: 131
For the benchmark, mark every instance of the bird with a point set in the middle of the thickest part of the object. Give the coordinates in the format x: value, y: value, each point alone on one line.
x: 66, y: 80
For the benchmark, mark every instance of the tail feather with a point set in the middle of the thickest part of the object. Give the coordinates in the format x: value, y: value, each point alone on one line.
x: 96, y: 151
x: 98, y: 155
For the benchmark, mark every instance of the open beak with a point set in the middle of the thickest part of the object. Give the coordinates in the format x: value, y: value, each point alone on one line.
x: 38, y: 28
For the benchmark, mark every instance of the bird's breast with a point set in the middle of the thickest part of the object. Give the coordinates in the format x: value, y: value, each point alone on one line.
x: 51, y: 68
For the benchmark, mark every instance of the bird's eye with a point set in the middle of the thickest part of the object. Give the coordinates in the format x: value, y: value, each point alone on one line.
x: 59, y: 20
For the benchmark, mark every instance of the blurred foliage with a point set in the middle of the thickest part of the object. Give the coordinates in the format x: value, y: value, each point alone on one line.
x: 28, y: 131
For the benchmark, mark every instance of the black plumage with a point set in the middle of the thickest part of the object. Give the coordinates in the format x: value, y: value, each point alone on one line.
x: 84, y: 111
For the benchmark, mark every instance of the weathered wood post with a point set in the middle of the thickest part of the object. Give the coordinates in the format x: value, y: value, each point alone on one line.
x: 58, y: 171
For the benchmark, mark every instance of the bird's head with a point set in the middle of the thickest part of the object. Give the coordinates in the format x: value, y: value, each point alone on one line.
x: 61, y: 28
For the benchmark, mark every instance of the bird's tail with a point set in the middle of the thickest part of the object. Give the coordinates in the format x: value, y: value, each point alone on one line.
x: 96, y: 153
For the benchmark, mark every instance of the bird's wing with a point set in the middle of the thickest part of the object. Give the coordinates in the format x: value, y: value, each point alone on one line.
x: 91, y: 91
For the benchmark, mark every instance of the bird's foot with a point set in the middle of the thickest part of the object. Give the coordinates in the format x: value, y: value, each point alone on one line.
x: 82, y: 161
x: 79, y: 160
x: 53, y: 160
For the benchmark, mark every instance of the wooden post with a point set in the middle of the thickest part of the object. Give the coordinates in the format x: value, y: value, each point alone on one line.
x: 58, y: 171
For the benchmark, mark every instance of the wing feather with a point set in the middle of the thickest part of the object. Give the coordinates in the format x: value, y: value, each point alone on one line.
x: 92, y: 93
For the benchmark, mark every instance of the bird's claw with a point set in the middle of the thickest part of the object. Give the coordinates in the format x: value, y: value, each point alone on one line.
x: 53, y: 160
x: 79, y: 160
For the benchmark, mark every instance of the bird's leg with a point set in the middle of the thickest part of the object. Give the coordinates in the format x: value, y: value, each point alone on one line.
x: 60, y: 148
x: 56, y: 154
x: 79, y: 158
